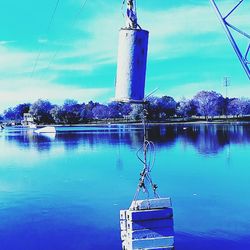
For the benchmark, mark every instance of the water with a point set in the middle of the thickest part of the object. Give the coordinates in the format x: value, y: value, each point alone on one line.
x: 64, y: 192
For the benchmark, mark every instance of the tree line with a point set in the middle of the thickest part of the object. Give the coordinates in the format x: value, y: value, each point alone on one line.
x: 205, y: 103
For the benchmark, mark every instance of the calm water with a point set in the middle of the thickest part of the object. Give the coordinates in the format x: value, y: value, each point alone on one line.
x: 65, y: 192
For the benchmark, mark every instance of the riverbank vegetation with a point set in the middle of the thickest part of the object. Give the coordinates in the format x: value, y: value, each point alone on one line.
x: 205, y: 105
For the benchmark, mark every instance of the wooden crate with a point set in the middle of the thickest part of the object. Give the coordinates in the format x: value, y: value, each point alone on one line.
x: 148, y: 225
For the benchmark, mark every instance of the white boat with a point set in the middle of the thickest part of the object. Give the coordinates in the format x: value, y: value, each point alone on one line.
x: 48, y: 129
x: 32, y: 126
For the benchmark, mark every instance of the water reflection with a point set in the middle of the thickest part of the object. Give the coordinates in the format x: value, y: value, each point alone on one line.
x: 65, y: 192
x: 205, y: 138
x: 73, y: 139
x: 194, y: 242
x: 26, y: 139
x: 224, y: 135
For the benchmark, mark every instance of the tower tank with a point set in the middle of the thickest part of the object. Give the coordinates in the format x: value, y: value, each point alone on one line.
x: 131, y: 64
x: 132, y: 59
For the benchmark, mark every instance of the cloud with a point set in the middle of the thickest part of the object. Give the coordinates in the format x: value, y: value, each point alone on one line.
x: 188, y: 90
x: 5, y: 42
x: 86, y: 67
x: 12, y: 60
x: 17, y: 85
x: 241, y: 90
x: 182, y: 31
x: 42, y: 40
x: 20, y: 91
x: 15, y: 61
x: 174, y: 33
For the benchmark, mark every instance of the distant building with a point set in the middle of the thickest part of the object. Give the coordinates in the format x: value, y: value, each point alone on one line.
x: 28, y: 119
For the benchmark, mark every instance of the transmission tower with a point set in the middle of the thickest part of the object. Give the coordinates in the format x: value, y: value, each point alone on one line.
x: 229, y: 27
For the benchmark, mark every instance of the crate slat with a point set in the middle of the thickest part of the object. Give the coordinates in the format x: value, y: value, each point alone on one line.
x: 152, y: 214
x: 149, y: 224
x: 149, y: 234
x: 151, y: 204
x: 151, y: 243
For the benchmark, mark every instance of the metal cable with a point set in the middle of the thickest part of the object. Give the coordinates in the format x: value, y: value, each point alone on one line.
x: 148, y: 148
x: 57, y: 52
x: 53, y: 16
x: 41, y: 44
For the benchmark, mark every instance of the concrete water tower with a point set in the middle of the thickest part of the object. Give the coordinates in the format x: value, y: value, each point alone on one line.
x: 132, y: 58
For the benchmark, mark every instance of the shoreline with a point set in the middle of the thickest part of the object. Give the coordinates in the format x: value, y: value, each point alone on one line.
x: 173, y: 121
x: 140, y: 123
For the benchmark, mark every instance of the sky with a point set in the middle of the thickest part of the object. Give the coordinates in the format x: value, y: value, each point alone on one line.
x: 67, y: 49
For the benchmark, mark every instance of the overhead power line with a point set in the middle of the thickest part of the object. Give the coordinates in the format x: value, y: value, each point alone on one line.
x: 53, y: 15
x: 57, y: 52
x: 41, y: 44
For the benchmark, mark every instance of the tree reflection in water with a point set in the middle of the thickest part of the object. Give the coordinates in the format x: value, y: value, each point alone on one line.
x: 205, y: 138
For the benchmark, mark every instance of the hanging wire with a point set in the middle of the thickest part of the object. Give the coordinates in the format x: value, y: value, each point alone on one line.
x: 36, y: 61
x: 148, y: 161
x: 42, y: 44
x: 53, y: 16
x: 57, y: 52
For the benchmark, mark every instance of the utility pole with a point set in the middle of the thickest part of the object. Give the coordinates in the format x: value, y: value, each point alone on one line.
x: 226, y: 84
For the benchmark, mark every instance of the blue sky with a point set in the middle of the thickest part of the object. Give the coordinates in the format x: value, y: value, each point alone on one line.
x: 188, y: 50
